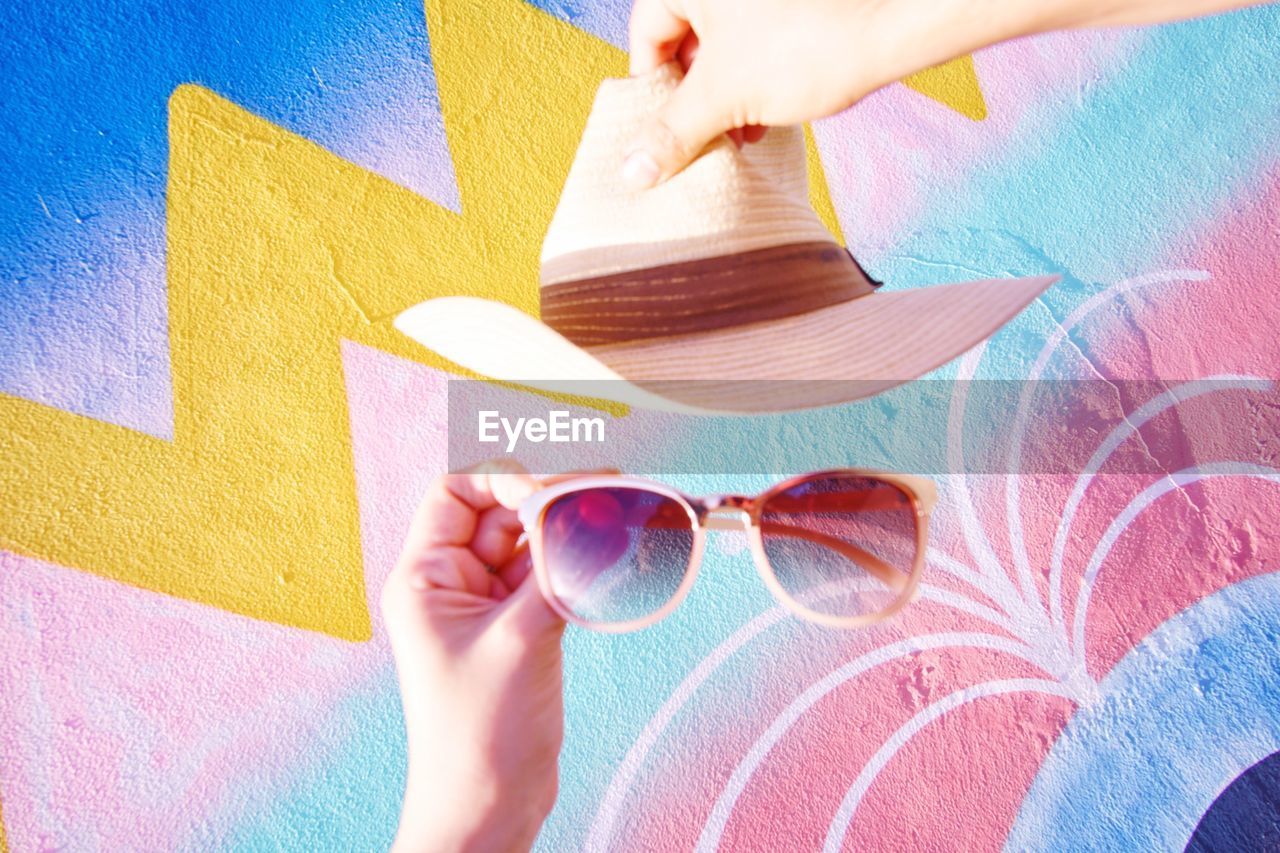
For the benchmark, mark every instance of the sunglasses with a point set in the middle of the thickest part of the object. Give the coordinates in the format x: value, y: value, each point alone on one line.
x: 842, y: 548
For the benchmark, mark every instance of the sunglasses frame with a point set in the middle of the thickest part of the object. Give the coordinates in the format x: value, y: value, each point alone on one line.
x: 711, y: 512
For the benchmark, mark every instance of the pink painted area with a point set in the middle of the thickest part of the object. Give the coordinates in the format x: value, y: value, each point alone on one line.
x: 802, y: 783
x: 1188, y: 545
x: 1227, y: 324
x: 1225, y: 530
x: 129, y: 719
x: 125, y: 714
x: 958, y: 784
x: 1222, y: 529
x: 898, y: 151
x: 799, y: 783
x: 398, y: 417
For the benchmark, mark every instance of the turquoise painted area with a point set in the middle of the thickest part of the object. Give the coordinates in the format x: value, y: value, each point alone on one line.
x: 1180, y: 717
x: 345, y: 795
x: 615, y: 684
x: 1170, y: 141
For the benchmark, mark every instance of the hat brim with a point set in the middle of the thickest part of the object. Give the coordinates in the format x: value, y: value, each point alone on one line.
x: 826, y: 357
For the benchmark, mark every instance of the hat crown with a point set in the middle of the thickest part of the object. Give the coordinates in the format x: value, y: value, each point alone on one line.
x: 727, y: 201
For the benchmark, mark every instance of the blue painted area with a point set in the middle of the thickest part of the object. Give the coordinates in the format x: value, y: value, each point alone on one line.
x: 1246, y: 816
x: 1179, y: 718
x: 82, y: 289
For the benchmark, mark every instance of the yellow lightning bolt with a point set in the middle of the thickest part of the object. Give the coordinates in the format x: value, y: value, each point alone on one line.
x: 953, y: 83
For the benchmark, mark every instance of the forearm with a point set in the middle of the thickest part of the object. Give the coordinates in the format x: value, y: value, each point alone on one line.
x: 464, y: 793
x: 921, y: 33
x: 1107, y: 13
x: 989, y: 21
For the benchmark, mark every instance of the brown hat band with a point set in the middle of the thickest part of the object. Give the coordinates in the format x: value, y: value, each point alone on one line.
x: 705, y: 294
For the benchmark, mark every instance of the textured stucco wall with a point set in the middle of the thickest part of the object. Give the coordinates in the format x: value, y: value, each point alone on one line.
x: 211, y: 440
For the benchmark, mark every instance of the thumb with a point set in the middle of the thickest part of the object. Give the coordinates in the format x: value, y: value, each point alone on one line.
x: 692, y: 117
x: 529, y: 611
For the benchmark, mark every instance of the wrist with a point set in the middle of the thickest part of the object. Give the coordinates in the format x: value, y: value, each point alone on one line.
x: 471, y: 834
x: 467, y: 816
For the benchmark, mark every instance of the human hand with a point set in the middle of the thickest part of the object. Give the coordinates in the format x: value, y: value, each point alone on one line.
x: 752, y: 63
x: 477, y: 650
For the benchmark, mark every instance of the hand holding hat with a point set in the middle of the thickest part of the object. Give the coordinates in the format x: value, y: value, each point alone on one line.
x: 782, y: 62
x: 699, y: 294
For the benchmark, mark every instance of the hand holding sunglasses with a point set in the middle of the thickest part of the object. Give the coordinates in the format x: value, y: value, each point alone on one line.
x: 478, y: 654
x: 842, y: 548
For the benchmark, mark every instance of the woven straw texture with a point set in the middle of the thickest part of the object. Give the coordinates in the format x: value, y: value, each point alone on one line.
x: 726, y: 201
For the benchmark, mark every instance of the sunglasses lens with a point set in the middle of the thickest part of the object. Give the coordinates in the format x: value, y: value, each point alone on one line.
x: 616, y: 554
x: 841, y: 545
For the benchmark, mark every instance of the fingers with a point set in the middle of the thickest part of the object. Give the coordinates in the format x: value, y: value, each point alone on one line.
x: 657, y: 29
x: 443, y: 518
x: 688, y: 51
x: 686, y: 54
x: 458, y: 569
x: 498, y: 481
x: 496, y: 534
x: 446, y: 579
x: 464, y: 535
x: 457, y: 510
x: 692, y: 117
x: 453, y: 505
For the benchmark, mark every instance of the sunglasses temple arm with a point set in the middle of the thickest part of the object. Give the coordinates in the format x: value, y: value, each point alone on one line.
x: 810, y: 503
x: 882, y: 571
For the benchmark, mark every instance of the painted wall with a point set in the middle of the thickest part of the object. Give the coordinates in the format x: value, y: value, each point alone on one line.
x: 211, y: 440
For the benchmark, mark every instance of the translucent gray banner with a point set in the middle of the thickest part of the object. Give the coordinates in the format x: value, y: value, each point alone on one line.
x: 1149, y: 427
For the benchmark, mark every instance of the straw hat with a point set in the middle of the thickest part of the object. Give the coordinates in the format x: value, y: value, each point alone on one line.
x: 705, y: 293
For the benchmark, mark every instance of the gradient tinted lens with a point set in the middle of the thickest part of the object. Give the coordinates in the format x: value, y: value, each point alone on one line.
x: 616, y: 554
x: 841, y: 545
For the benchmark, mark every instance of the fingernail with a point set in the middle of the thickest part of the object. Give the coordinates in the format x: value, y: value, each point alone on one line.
x: 512, y: 489
x: 640, y: 171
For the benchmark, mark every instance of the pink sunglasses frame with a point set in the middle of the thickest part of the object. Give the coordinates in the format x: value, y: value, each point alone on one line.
x: 709, y: 513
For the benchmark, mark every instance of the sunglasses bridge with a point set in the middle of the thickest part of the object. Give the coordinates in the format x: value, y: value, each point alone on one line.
x: 724, y: 512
